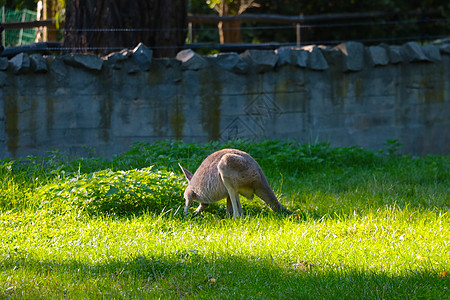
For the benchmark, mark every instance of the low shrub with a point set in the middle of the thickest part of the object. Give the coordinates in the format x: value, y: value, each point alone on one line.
x: 116, y: 192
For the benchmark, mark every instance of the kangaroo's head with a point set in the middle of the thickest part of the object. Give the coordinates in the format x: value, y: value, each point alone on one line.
x: 189, y: 194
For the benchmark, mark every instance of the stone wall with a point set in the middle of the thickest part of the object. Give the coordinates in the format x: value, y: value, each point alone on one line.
x: 346, y: 95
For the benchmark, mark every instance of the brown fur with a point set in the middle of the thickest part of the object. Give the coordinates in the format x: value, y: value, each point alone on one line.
x: 228, y: 173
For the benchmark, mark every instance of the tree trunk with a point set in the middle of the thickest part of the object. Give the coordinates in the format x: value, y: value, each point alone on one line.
x: 104, y: 26
x: 230, y: 32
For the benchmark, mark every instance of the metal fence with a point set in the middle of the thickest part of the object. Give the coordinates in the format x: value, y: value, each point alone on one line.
x: 367, y: 27
x: 202, y: 32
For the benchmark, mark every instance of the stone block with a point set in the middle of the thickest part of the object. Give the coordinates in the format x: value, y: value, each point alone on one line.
x: 191, y: 60
x: 432, y: 52
x: 57, y: 66
x: 115, y: 59
x: 445, y: 49
x: 20, y: 63
x: 284, y: 55
x: 395, y: 54
x: 3, y: 79
x: 300, y: 58
x: 378, y: 55
x: 3, y: 63
x: 232, y: 62
x: 38, y: 63
x: 263, y: 60
x: 293, y: 56
x: 142, y: 57
x: 86, y: 61
x: 412, y: 51
x: 332, y: 55
x: 316, y: 60
x: 353, y: 56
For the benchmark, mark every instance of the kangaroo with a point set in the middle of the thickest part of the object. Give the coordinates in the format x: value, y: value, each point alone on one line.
x: 228, y: 173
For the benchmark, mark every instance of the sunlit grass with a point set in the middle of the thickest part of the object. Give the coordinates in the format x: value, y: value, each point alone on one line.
x: 373, y: 226
x: 165, y: 255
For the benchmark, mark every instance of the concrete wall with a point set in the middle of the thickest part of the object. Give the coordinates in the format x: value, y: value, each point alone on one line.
x: 347, y: 95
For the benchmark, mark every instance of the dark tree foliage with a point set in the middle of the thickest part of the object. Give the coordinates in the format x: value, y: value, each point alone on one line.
x: 420, y: 26
x: 374, y: 31
x: 19, y: 4
x: 102, y: 26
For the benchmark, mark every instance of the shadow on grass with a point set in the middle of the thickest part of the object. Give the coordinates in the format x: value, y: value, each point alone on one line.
x: 306, y: 212
x: 192, y: 275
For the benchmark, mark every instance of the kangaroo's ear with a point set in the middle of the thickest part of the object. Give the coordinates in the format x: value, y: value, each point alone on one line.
x: 186, y: 173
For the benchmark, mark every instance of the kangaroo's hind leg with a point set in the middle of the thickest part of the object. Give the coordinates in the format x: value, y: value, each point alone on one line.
x: 235, y: 202
x: 230, y: 179
x: 230, y: 206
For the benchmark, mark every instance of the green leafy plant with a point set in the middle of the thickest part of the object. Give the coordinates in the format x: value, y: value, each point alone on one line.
x: 393, y: 146
x: 117, y: 192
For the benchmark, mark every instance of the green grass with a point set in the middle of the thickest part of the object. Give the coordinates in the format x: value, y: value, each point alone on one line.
x: 365, y: 225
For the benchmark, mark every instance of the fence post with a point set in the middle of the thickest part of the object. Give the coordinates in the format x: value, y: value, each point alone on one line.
x: 190, y: 37
x: 297, y: 29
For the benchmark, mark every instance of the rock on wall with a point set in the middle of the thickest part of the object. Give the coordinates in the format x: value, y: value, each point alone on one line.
x: 347, y: 95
